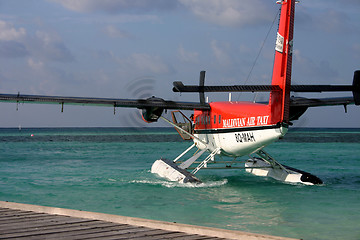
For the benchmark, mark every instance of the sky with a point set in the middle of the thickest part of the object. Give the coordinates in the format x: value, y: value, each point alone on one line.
x: 137, y: 48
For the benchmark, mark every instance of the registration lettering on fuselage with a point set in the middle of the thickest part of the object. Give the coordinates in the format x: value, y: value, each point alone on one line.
x: 245, y: 137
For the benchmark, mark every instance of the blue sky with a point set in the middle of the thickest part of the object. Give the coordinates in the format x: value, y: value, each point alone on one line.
x: 134, y: 48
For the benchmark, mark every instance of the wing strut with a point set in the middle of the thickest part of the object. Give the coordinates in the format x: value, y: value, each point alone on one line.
x: 201, y: 87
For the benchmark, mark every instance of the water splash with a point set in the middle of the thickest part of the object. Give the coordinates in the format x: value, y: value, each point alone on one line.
x: 169, y: 184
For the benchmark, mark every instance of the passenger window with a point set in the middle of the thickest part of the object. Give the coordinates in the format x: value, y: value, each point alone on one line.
x: 219, y: 119
x: 214, y: 119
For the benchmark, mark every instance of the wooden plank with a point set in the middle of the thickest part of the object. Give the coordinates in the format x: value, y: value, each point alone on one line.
x: 39, y: 225
x: 27, y: 219
x: 66, y: 229
x: 146, y: 234
x: 8, y: 209
x: 5, y: 211
x: 195, y: 237
x: 116, y: 232
x: 66, y: 226
x: 60, y: 223
x: 40, y: 222
x: 12, y: 211
x: 167, y: 235
x: 137, y: 233
x: 20, y: 216
x: 103, y: 235
x: 87, y: 233
x: 10, y: 215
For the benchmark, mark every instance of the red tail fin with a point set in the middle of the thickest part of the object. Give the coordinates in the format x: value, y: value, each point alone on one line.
x: 280, y: 100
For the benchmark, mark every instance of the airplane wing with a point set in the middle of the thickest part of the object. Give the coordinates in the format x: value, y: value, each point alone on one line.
x: 299, y: 102
x: 299, y: 105
x: 112, y: 102
x: 152, y: 108
x: 319, y: 102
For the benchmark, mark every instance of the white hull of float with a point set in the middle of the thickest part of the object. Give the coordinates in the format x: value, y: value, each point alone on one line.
x: 283, y: 173
x: 169, y: 170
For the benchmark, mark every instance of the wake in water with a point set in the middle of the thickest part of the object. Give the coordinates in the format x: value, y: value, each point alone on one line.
x: 169, y: 184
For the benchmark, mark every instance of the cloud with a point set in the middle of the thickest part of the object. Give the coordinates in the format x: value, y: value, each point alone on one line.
x: 187, y: 56
x: 328, y: 17
x: 11, y: 39
x: 144, y: 63
x: 312, y: 71
x: 220, y: 53
x: 333, y: 21
x: 220, y: 12
x: 49, y: 46
x: 116, y: 6
x: 45, y: 45
x: 114, y: 32
x: 9, y: 33
x: 230, y: 12
x: 356, y: 49
x: 36, y: 65
x: 12, y: 49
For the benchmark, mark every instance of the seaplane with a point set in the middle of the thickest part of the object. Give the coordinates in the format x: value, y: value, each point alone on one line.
x: 229, y: 129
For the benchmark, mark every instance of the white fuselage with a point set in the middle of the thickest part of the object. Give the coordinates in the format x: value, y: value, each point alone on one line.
x: 236, y: 143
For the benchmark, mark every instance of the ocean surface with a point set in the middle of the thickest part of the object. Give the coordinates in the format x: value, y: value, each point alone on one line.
x: 108, y: 170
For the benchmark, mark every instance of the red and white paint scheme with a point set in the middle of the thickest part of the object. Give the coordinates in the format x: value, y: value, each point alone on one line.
x: 236, y: 129
x: 240, y: 128
x: 230, y: 128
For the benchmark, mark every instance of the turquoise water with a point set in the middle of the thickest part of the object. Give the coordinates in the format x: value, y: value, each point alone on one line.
x: 107, y: 170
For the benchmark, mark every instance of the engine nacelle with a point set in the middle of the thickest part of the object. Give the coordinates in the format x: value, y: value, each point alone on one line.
x: 152, y: 113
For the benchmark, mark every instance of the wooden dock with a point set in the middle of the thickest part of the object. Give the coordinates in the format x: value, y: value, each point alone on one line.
x: 24, y: 221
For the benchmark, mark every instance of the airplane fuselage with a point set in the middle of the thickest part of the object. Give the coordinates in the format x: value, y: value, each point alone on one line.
x: 237, y: 128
